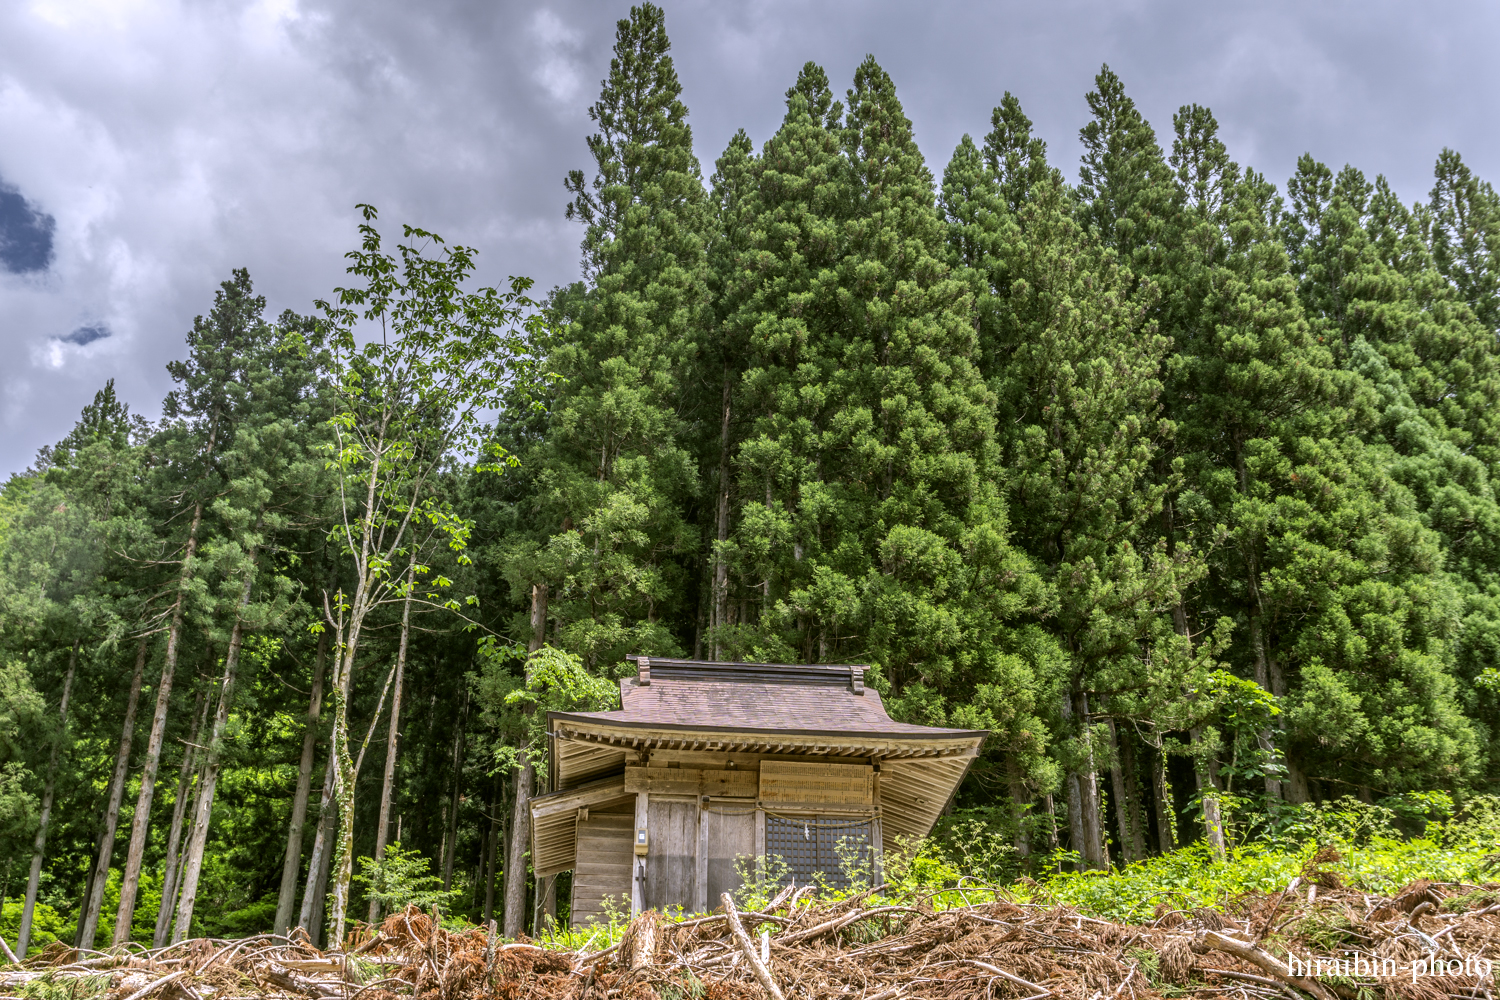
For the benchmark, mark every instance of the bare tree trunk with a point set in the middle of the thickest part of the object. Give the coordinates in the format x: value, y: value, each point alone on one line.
x: 88, y: 891
x: 1296, y: 784
x: 1083, y: 791
x: 515, y: 867
x: 538, y: 617
x: 492, y: 855
x: 311, y: 916
x: 140, y: 821
x: 1130, y: 765
x: 186, y: 782
x: 1018, y: 802
x: 1077, y: 835
x: 1166, y: 813
x: 89, y: 928
x: 1264, y: 739
x: 721, y: 565
x: 520, y: 821
x: 450, y: 840
x: 291, y: 864
x: 1123, y: 802
x: 34, y: 881
x: 203, y: 809
x: 393, y: 735
x: 1213, y: 820
x: 315, y: 905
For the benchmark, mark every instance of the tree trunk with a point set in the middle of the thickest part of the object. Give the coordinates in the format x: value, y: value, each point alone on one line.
x: 520, y: 823
x: 538, y: 617
x: 515, y: 865
x: 315, y: 905
x: 140, y: 821
x: 393, y: 736
x: 1264, y: 739
x: 1296, y: 784
x: 1018, y: 802
x: 1077, y: 835
x: 88, y: 891
x: 203, y: 808
x: 1083, y: 786
x: 492, y: 856
x: 1131, y: 767
x: 721, y: 565
x: 1123, y: 802
x: 171, y: 867
x: 1166, y: 815
x: 310, y: 918
x: 1093, y: 818
x: 450, y: 841
x: 34, y: 881
x: 1208, y: 787
x: 89, y: 928
x: 286, y: 899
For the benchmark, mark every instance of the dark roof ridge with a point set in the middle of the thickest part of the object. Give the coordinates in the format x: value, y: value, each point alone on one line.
x: 823, y: 673
x: 842, y: 669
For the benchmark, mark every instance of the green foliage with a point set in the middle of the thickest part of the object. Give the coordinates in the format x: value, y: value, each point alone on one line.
x: 760, y: 878
x: 401, y: 879
x: 47, y: 925
x: 517, y: 693
x: 1180, y: 486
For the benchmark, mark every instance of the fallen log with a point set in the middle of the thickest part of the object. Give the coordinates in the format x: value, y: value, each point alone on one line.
x: 747, y: 948
x: 1206, y: 940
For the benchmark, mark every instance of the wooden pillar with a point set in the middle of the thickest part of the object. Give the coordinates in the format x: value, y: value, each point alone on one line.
x: 700, y: 893
x: 760, y: 847
x: 638, y: 859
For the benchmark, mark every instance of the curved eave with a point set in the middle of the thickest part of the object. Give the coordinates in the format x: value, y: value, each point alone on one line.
x: 598, y: 745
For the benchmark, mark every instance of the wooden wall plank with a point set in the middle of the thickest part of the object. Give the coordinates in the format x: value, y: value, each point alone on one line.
x: 690, y: 781
x: 672, y: 864
x: 604, y: 863
x: 786, y: 782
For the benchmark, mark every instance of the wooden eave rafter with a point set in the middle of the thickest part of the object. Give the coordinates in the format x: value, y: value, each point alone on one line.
x: 637, y: 738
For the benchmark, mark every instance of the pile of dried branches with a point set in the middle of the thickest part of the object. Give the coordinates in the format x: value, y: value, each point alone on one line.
x: 801, y: 948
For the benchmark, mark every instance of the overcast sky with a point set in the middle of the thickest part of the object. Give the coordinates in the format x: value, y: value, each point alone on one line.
x: 147, y: 147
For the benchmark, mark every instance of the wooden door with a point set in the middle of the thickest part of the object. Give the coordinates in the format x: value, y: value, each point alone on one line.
x: 728, y: 842
x: 672, y: 858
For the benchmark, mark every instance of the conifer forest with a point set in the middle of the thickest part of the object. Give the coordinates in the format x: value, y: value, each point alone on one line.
x: 1179, y: 482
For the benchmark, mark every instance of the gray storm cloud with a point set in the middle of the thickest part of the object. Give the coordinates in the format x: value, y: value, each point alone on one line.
x: 148, y: 147
x: 25, y: 234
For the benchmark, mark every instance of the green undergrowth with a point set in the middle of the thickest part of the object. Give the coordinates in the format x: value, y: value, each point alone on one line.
x: 1191, y: 878
x: 1375, y: 853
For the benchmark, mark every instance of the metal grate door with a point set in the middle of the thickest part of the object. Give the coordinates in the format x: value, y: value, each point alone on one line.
x: 811, y: 846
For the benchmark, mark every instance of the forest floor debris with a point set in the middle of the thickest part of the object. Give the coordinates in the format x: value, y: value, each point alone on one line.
x: 1429, y: 941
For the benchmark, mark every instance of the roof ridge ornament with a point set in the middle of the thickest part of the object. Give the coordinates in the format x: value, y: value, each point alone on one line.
x: 857, y: 679
x: 643, y: 671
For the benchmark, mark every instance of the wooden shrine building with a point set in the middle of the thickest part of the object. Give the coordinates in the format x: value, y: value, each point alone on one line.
x: 708, y: 764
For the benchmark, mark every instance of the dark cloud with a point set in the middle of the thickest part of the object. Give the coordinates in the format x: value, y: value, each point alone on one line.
x: 85, y: 335
x: 177, y: 140
x: 25, y: 234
